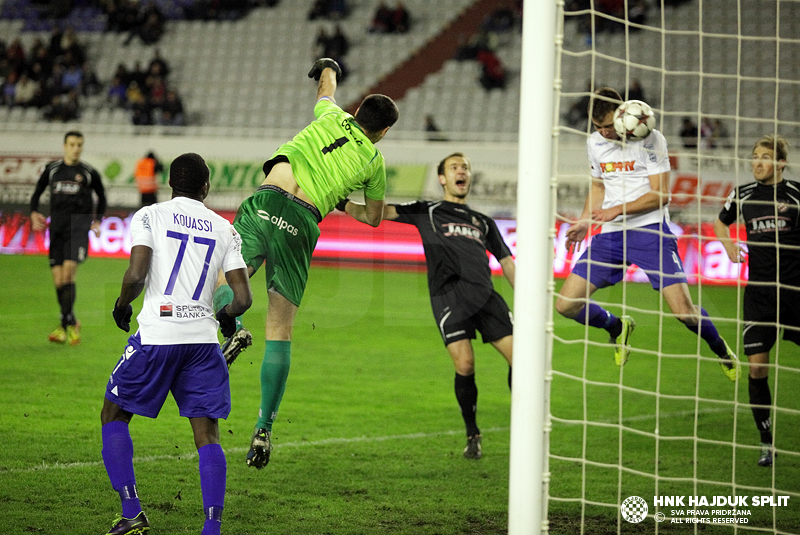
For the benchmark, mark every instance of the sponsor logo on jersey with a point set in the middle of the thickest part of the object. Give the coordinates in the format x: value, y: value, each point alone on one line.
x: 610, y: 167
x: 453, y: 229
x: 767, y: 224
x: 67, y: 188
x: 279, y: 222
x: 191, y: 311
x: 165, y: 311
x: 192, y: 222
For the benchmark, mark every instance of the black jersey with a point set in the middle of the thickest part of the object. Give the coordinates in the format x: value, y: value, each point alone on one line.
x: 771, y: 215
x: 71, y: 188
x: 455, y: 239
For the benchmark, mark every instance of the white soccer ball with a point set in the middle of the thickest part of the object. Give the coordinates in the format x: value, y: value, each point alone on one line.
x: 634, y: 120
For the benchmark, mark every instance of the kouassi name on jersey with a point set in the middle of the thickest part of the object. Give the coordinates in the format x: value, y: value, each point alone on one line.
x: 625, y: 170
x: 190, y: 245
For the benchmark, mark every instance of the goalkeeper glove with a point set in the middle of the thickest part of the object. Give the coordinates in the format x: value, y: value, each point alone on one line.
x: 342, y: 204
x: 323, y: 63
x: 122, y: 317
x: 227, y: 324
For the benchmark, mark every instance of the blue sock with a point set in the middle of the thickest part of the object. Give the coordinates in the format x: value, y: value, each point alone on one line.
x: 118, y: 459
x: 709, y: 333
x: 213, y: 471
x: 596, y: 316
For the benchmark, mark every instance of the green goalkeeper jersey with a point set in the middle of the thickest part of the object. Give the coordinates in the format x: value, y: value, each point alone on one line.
x: 332, y: 157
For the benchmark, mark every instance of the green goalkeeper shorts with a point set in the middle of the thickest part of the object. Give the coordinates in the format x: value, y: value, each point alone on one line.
x: 280, y: 231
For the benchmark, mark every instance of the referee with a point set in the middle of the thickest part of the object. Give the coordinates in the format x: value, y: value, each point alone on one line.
x: 71, y: 183
x: 770, y: 207
x: 455, y: 239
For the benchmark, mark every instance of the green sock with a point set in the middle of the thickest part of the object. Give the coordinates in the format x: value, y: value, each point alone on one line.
x: 224, y: 296
x: 274, y: 371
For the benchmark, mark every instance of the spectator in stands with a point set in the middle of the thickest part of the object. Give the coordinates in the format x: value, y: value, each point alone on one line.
x: 123, y: 74
x: 500, y: 20
x: 637, y: 13
x: 720, y: 133
x: 493, y: 75
x: 401, y: 19
x: 26, y: 91
x: 8, y: 90
x: 72, y: 78
x: 149, y: 25
x: 707, y: 133
x: 382, y: 20
x: 327, y: 9
x: 688, y: 133
x: 90, y: 83
x: 137, y: 74
x: 432, y: 130
x: 158, y: 65
x: 635, y: 91
x: 172, y: 113
x: 337, y: 45
x: 62, y: 108
x: 116, y: 95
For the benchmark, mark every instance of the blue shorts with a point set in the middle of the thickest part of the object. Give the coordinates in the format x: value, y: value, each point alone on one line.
x: 195, y: 373
x: 654, y: 248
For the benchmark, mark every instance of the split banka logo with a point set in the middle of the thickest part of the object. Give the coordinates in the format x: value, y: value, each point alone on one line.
x: 610, y: 167
x: 699, y: 509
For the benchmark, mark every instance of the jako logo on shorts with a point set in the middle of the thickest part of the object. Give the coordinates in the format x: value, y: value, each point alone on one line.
x: 278, y: 222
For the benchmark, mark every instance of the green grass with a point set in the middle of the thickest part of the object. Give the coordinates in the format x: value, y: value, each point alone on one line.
x: 369, y: 436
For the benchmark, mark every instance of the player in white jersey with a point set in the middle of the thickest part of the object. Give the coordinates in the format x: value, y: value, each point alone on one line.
x: 178, y: 248
x: 628, y: 197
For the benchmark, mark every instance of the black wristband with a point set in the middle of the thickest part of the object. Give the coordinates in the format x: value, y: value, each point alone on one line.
x: 341, y: 205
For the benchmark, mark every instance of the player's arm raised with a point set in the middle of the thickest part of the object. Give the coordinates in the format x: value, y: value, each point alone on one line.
x: 328, y: 73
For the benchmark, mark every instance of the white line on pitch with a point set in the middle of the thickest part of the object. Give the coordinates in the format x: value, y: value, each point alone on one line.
x: 193, y: 454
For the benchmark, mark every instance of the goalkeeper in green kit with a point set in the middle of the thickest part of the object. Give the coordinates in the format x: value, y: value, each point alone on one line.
x: 305, y: 178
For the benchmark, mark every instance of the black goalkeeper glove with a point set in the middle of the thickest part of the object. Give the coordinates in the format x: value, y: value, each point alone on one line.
x: 323, y: 63
x: 342, y: 204
x: 227, y: 324
x: 122, y: 316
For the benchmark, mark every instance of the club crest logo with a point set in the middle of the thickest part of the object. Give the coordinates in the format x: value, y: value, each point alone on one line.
x: 634, y: 509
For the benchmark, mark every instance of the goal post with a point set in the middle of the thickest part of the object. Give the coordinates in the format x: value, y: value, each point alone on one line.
x: 532, y: 292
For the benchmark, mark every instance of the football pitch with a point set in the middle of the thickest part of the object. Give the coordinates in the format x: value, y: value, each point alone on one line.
x: 369, y: 435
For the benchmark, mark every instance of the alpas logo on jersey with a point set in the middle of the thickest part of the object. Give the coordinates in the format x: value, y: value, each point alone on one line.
x: 453, y: 229
x: 610, y: 167
x: 279, y: 222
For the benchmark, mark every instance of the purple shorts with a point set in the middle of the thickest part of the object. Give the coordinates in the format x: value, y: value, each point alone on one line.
x: 195, y: 373
x: 654, y: 248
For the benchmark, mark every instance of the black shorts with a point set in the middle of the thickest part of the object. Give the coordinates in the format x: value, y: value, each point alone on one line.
x: 493, y: 319
x: 761, y: 317
x: 70, y: 241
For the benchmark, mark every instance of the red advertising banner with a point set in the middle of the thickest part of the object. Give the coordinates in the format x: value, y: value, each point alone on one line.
x: 344, y: 241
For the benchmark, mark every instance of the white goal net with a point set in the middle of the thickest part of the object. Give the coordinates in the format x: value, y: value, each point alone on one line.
x: 667, y: 442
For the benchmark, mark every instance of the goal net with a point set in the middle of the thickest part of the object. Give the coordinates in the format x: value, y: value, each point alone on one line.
x: 668, y: 439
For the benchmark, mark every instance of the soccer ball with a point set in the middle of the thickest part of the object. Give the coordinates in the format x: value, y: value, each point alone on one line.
x: 634, y: 120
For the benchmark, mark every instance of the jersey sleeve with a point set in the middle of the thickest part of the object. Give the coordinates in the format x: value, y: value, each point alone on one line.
x: 594, y: 166
x: 97, y: 186
x: 375, y: 187
x: 233, y: 254
x: 141, y: 228
x: 655, y: 153
x: 730, y: 213
x: 41, y: 185
x: 495, y: 243
x: 325, y: 105
x: 409, y: 212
